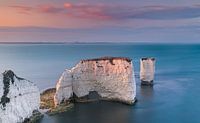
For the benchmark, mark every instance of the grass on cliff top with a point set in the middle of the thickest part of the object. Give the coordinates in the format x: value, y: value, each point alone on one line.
x: 60, y: 109
x: 47, y: 102
x: 47, y: 99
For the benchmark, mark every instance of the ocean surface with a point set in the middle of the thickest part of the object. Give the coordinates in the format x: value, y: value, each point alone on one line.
x: 174, y: 98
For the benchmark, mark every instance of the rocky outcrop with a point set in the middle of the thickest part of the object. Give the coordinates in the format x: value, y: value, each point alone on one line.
x: 111, y: 77
x: 48, y: 106
x: 147, y: 70
x: 64, y: 88
x: 19, y: 98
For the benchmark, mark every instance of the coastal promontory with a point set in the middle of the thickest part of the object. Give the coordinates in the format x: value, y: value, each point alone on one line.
x: 111, y: 78
x: 19, y: 98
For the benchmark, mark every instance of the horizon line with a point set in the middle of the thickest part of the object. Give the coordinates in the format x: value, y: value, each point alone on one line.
x: 98, y: 42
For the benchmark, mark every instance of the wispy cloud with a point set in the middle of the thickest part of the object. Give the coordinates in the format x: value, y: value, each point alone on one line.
x: 88, y: 11
x: 22, y: 9
x: 40, y: 9
x: 116, y: 12
x: 49, y: 9
x: 167, y: 12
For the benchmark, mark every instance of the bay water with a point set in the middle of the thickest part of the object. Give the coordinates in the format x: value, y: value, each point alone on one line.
x: 174, y: 98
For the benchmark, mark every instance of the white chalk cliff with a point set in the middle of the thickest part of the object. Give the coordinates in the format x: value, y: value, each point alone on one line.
x: 147, y: 70
x: 111, y: 77
x: 18, y: 98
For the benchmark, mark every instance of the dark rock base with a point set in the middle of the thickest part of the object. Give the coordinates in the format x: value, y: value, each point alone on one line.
x: 36, y: 117
x: 147, y: 83
x: 60, y: 109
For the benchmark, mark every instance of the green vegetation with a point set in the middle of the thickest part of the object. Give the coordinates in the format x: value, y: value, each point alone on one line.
x: 47, y: 99
x: 61, y: 108
x: 47, y: 102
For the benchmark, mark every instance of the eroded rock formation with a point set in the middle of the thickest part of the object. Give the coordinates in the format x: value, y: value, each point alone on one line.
x: 19, y: 98
x: 111, y: 77
x: 147, y: 70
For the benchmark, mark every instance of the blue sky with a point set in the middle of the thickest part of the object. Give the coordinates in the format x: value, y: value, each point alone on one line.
x: 163, y: 21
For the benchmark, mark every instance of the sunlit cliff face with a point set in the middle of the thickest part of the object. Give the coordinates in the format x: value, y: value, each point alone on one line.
x: 111, y: 77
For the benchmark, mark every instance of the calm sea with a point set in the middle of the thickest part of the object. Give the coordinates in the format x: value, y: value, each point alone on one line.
x: 174, y: 98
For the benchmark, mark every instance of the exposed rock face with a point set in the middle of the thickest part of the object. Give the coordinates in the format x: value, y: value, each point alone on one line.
x: 18, y: 98
x: 111, y: 77
x: 147, y: 70
x: 64, y: 87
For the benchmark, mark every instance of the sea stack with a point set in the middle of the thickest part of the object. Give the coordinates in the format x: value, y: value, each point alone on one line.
x: 147, y: 70
x: 19, y: 98
x: 111, y: 77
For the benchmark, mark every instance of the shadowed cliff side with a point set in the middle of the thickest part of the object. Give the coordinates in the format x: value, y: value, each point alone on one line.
x: 8, y: 76
x: 20, y: 99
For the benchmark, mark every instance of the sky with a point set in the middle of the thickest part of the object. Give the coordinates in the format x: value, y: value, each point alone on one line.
x: 163, y: 21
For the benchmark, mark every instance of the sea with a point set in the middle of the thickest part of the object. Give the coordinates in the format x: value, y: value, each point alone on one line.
x: 174, y: 97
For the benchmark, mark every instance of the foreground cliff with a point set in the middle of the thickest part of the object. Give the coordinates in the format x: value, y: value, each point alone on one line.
x: 111, y: 77
x: 19, y: 98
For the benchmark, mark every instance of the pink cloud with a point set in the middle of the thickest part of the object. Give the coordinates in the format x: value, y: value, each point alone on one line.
x: 39, y: 8
x: 49, y: 9
x: 86, y: 11
x: 22, y: 9
x: 67, y: 5
x: 116, y: 12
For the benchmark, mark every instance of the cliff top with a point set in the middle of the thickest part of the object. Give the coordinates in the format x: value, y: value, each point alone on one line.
x: 108, y: 58
x: 147, y: 58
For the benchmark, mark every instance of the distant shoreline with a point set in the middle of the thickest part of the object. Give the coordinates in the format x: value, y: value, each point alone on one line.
x: 140, y: 43
x: 71, y: 42
x: 32, y: 43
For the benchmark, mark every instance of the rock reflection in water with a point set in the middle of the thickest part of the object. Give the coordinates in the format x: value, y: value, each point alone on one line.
x: 146, y: 92
x: 98, y: 112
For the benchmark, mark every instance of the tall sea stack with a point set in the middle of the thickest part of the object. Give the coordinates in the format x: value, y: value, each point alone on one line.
x: 111, y: 77
x: 147, y: 70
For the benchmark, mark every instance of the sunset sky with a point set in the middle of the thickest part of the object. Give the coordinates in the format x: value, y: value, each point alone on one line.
x: 100, y: 21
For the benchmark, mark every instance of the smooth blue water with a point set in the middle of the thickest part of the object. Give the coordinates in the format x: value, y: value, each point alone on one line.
x: 174, y: 98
